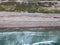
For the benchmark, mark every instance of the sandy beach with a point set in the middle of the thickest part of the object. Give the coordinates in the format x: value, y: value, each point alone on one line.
x: 25, y: 21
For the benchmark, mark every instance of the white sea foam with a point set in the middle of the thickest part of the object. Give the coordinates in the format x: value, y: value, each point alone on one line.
x: 44, y: 42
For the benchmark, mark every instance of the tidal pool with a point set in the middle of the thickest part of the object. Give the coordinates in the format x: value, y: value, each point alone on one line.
x: 32, y: 36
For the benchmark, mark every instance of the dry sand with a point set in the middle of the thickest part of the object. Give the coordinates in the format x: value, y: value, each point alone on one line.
x: 25, y: 21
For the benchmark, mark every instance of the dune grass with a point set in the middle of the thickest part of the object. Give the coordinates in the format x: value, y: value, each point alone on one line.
x: 32, y: 7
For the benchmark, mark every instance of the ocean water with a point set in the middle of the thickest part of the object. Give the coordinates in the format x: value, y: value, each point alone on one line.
x: 30, y: 36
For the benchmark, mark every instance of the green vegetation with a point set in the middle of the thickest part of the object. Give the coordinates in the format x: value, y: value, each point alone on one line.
x: 30, y: 7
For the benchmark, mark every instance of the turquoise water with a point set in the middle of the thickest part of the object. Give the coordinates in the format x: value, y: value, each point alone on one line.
x: 32, y: 36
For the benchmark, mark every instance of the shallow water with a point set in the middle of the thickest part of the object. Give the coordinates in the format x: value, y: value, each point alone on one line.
x: 32, y: 36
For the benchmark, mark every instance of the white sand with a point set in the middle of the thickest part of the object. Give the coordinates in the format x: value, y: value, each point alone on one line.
x: 25, y: 21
